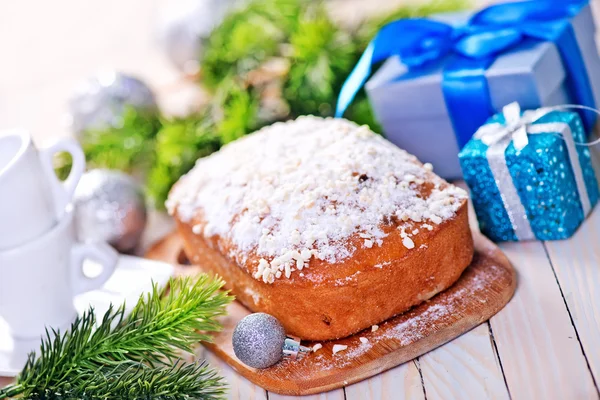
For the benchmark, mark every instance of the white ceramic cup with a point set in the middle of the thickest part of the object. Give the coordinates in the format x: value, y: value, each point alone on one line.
x: 39, y: 280
x: 32, y: 198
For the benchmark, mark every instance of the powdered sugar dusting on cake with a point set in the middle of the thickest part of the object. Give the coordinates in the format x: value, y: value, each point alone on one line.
x: 301, y: 189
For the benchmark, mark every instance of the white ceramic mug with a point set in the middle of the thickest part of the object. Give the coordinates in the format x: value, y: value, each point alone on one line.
x: 39, y: 280
x: 32, y: 198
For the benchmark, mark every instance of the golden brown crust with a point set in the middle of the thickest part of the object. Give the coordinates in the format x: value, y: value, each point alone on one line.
x: 336, y: 300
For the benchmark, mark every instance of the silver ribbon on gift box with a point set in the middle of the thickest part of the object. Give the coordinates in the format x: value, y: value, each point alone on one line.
x: 498, y: 136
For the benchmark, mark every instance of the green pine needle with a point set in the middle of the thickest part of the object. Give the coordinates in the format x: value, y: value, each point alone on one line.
x: 247, y: 37
x: 95, y: 358
x: 179, y: 143
x: 137, y: 381
x: 321, y: 56
x: 180, y: 381
x: 128, y: 147
x: 234, y: 110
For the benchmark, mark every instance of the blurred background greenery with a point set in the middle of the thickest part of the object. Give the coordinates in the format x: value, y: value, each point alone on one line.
x: 268, y: 61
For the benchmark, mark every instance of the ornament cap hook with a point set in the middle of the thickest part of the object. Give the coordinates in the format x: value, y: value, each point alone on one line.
x: 293, y: 349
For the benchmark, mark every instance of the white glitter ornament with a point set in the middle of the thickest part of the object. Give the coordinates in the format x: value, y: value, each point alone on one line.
x: 259, y: 341
x: 110, y: 206
x: 183, y: 26
x: 99, y: 102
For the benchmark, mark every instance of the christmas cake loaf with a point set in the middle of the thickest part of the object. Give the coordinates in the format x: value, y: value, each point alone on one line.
x: 323, y: 224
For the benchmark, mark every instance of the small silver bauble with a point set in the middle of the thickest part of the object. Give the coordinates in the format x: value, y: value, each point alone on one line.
x: 110, y: 206
x: 183, y: 26
x: 99, y: 102
x: 260, y: 341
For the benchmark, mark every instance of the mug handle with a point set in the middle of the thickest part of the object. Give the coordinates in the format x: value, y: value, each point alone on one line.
x: 63, y: 191
x: 100, y: 252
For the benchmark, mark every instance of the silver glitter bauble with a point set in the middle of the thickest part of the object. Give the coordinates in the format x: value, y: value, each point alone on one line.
x: 258, y: 340
x: 109, y: 206
x: 185, y: 24
x: 99, y: 102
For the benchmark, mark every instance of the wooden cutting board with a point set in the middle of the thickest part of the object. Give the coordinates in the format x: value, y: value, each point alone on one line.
x: 483, y: 289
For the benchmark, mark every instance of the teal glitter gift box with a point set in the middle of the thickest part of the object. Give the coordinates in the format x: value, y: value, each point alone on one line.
x: 529, y: 175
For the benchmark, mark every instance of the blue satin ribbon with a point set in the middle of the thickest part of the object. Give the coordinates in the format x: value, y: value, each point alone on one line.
x: 416, y: 41
x: 471, y: 49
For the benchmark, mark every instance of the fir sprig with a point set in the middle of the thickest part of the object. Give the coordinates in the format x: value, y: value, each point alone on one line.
x: 136, y: 381
x: 179, y: 143
x: 321, y: 55
x: 128, y: 147
x: 140, y: 351
x: 247, y: 37
x: 234, y: 110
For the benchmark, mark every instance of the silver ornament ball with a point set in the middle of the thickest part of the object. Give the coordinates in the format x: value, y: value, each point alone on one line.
x: 110, y: 206
x: 258, y: 340
x: 99, y: 102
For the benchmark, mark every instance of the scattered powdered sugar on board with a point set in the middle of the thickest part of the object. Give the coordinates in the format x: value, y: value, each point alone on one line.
x: 415, y: 328
x: 344, y: 358
x: 416, y: 323
x: 301, y: 189
x: 412, y: 329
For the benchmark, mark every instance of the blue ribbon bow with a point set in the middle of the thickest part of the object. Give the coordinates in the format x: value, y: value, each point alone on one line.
x: 471, y: 49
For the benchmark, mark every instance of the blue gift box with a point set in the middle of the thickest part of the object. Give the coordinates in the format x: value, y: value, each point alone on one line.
x: 413, y: 107
x: 548, y: 186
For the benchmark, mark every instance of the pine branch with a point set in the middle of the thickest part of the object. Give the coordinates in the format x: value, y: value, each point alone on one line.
x: 321, y: 56
x: 139, y: 346
x: 136, y: 381
x: 234, y: 110
x: 247, y: 37
x: 179, y: 143
x: 128, y: 147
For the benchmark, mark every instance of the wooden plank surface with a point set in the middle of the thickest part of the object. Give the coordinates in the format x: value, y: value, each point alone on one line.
x: 576, y: 265
x: 474, y: 355
x: 239, y: 387
x: 402, y: 382
x: 337, y: 394
x: 536, y: 342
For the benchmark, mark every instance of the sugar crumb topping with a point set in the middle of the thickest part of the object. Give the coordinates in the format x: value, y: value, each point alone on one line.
x: 300, y: 190
x: 338, y: 347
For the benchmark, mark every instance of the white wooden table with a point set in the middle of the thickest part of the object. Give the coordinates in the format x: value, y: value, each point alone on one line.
x: 545, y: 344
